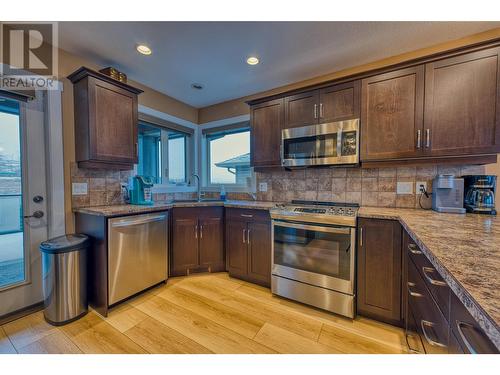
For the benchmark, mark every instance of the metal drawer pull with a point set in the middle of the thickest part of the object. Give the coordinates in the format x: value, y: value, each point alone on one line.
x: 321, y: 110
x: 426, y: 271
x: 248, y: 236
x: 425, y: 323
x: 244, y: 235
x: 201, y: 231
x: 427, y: 138
x: 361, y: 237
x: 315, y: 111
x: 419, y: 138
x: 246, y: 215
x: 413, y: 249
x: 411, y: 292
x: 462, y: 336
x: 196, y: 231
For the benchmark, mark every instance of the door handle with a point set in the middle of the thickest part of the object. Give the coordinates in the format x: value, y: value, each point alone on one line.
x: 419, y: 139
x: 196, y: 231
x: 413, y: 249
x: 411, y: 292
x: 321, y: 110
x: 426, y: 271
x: 315, y: 111
x: 246, y: 215
x: 36, y: 215
x: 244, y: 235
x: 427, y: 138
x: 425, y: 323
x: 361, y: 237
x: 248, y: 236
x: 201, y: 231
x: 460, y: 324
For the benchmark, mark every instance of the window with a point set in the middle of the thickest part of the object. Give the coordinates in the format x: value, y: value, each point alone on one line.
x: 163, y: 154
x: 228, y: 156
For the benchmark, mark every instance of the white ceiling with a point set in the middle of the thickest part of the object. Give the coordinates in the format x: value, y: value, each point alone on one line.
x: 214, y: 53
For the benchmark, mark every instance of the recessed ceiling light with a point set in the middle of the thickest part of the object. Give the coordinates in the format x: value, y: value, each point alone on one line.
x: 143, y: 49
x: 197, y: 86
x: 252, y: 60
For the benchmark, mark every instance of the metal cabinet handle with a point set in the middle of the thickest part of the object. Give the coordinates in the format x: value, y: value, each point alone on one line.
x: 196, y: 231
x: 426, y: 323
x: 248, y: 236
x: 427, y: 138
x: 244, y: 235
x: 321, y: 110
x: 413, y: 249
x: 246, y: 215
x: 462, y: 336
x: 411, y: 292
x: 315, y: 111
x: 426, y: 271
x: 361, y: 237
x: 419, y: 138
x: 201, y: 231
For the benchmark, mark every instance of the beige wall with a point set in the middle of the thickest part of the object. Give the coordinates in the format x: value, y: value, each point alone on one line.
x: 150, y: 98
x: 238, y: 107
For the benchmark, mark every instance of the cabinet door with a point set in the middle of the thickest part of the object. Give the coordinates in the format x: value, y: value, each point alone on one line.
x: 184, y: 245
x: 302, y: 109
x: 266, y: 121
x: 339, y: 102
x: 462, y: 105
x: 211, y: 239
x: 236, y: 248
x: 392, y: 114
x: 112, y: 123
x: 379, y: 270
x: 259, y: 252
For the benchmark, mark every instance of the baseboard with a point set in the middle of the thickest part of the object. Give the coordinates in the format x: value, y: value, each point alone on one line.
x: 7, y: 318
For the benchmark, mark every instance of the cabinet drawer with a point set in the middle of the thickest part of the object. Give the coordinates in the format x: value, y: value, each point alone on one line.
x: 432, y: 279
x: 247, y: 214
x: 471, y: 338
x: 430, y: 322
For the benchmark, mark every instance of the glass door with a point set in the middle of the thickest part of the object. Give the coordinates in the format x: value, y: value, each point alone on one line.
x: 314, y: 254
x: 23, y: 223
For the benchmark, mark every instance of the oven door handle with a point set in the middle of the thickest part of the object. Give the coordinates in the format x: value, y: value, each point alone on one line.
x: 316, y: 228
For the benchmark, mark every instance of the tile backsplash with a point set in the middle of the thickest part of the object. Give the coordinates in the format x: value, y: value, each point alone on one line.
x: 368, y: 187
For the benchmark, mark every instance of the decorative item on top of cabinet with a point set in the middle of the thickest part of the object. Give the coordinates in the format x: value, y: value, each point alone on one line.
x: 105, y: 121
x: 266, y: 122
x: 379, y: 270
x: 462, y: 104
x: 197, y: 240
x: 248, y: 245
x: 392, y: 114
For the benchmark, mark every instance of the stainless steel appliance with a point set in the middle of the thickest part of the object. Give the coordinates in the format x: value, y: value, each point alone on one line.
x: 448, y: 194
x: 137, y: 254
x: 323, y: 144
x: 480, y: 194
x: 313, y: 254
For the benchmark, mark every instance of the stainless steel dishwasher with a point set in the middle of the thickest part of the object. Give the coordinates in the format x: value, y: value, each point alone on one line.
x: 137, y: 254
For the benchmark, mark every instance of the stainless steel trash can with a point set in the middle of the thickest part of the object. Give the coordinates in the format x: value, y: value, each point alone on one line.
x: 64, y: 273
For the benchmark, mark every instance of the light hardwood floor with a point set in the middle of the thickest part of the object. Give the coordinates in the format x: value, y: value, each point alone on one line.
x: 209, y: 313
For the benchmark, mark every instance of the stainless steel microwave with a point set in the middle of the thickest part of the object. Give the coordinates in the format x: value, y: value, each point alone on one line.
x: 324, y: 144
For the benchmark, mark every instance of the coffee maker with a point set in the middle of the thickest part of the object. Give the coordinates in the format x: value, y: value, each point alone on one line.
x: 480, y: 194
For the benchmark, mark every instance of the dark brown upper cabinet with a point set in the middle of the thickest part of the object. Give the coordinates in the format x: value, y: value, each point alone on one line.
x: 339, y: 102
x: 379, y: 278
x: 302, y: 109
x: 392, y: 114
x: 329, y: 104
x: 266, y: 121
x: 462, y: 105
x: 105, y: 120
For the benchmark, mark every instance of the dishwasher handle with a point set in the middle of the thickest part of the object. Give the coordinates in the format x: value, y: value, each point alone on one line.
x: 132, y: 222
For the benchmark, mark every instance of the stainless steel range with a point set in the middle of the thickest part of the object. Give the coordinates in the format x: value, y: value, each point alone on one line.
x: 313, y: 254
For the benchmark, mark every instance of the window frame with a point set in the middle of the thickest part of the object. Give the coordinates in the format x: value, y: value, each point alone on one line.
x: 189, y: 148
x: 205, y: 159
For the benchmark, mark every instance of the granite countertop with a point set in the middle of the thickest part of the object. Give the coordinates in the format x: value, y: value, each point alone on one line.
x: 125, y: 209
x: 465, y: 249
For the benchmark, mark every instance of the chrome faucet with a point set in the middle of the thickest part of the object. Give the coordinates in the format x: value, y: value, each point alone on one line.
x: 198, y: 185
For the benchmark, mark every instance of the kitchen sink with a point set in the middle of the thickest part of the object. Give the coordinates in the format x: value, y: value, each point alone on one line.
x: 195, y: 200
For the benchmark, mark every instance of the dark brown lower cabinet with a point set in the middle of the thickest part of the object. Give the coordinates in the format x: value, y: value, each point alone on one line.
x: 248, y: 245
x: 197, y: 240
x: 379, y: 270
x: 437, y: 322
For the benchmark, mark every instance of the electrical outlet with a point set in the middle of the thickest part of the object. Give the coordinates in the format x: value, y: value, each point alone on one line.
x: 79, y: 188
x: 263, y: 186
x: 404, y: 187
x: 420, y: 187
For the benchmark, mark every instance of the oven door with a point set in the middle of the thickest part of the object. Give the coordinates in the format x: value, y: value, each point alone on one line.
x: 318, y: 255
